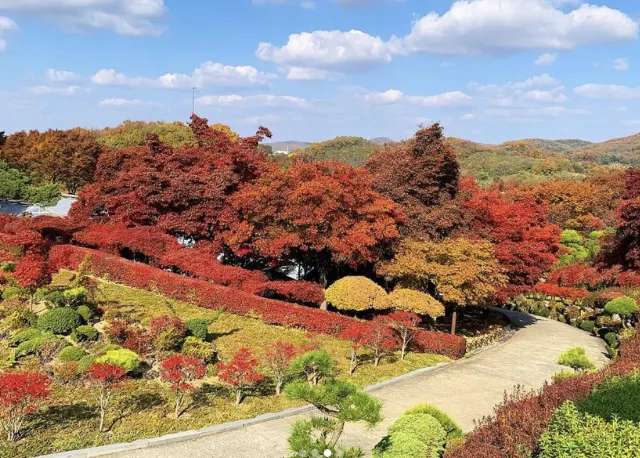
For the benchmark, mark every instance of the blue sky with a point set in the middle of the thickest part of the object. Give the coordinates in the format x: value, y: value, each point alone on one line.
x: 489, y: 70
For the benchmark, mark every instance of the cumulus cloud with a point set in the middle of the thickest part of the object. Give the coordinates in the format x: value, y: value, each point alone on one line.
x: 608, y: 91
x: 265, y: 100
x: 537, y: 89
x: 469, y: 27
x: 546, y: 59
x: 124, y: 17
x: 308, y: 74
x: 621, y: 64
x: 446, y: 99
x: 209, y: 74
x: 262, y: 119
x: 116, y: 102
x: 6, y: 26
x: 61, y: 76
x: 53, y: 90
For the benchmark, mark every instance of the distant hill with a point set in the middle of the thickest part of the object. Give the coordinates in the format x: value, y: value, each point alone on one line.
x: 382, y: 140
x: 352, y: 150
x: 290, y: 146
x: 558, y: 146
x: 618, y: 151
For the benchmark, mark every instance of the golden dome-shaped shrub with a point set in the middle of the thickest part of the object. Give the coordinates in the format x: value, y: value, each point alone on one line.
x: 357, y: 294
x: 416, y: 302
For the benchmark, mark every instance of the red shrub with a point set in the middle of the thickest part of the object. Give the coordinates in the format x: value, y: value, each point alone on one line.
x: 180, y: 371
x: 212, y: 296
x: 241, y: 373
x: 628, y: 279
x: 166, y: 323
x: 559, y: 291
x: 20, y: 394
x: 302, y: 292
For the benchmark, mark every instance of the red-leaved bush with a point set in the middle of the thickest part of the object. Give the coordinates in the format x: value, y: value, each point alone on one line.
x: 577, y: 276
x: 212, y: 296
x: 20, y: 395
x: 356, y: 334
x: 513, y: 431
x: 547, y: 289
x: 104, y: 379
x: 241, y: 373
x: 628, y: 279
x: 180, y: 371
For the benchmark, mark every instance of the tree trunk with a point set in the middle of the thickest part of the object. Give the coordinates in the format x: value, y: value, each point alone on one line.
x: 354, y: 362
x: 336, y: 433
x: 454, y: 319
x: 102, y: 415
x: 324, y: 305
x: 376, y: 360
x: 238, y: 397
x: 279, y: 387
x: 403, y: 351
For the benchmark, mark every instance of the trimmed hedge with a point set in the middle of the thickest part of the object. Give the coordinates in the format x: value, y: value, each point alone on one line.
x: 124, y: 358
x: 450, y: 426
x: 625, y: 306
x: 212, y: 296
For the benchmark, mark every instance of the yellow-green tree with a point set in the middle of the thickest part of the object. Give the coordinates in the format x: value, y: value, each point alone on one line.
x: 460, y: 272
x: 418, y: 302
x: 357, y: 294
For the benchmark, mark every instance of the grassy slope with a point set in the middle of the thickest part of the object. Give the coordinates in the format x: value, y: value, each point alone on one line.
x: 149, y: 413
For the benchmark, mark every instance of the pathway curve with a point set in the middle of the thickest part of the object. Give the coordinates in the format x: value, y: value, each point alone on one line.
x: 467, y: 389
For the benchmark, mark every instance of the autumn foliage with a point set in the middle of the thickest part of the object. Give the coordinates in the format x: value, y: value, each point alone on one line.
x: 410, y: 300
x: 357, y: 294
x: 241, y: 373
x: 181, y: 371
x: 104, y: 379
x: 20, y: 394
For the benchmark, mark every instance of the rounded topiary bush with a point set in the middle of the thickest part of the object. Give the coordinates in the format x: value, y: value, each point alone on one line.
x: 357, y: 294
x: 85, y: 362
x: 401, y: 445
x: 576, y: 358
x: 69, y: 354
x: 198, y: 327
x: 588, y: 326
x: 24, y: 336
x: 416, y: 302
x: 197, y: 348
x: 59, y: 321
x: 85, y: 312
x: 85, y: 333
x: 124, y: 358
x: 450, y: 426
x: 624, y: 306
x: 423, y: 427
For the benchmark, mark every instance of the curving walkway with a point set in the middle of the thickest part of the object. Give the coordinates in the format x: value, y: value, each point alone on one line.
x: 467, y: 390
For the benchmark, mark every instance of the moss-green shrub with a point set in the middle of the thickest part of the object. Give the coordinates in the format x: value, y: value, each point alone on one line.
x: 624, y: 306
x: 197, y: 348
x: 198, y: 327
x: 71, y: 353
x: 10, y: 292
x: 168, y: 340
x: 615, y: 397
x: 611, y: 338
x: 85, y: 313
x: 588, y: 326
x: 124, y: 358
x: 576, y: 358
x: 401, y: 445
x: 33, y: 346
x: 423, y: 427
x: 563, y: 375
x: 85, y: 362
x: 59, y: 321
x: 23, y: 336
x: 450, y: 426
x: 574, y: 434
x: 85, y: 333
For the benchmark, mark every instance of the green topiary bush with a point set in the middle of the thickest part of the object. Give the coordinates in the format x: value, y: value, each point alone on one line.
x: 85, y: 362
x: 423, y: 427
x: 563, y: 375
x: 401, y: 445
x: 197, y: 348
x: 59, y: 321
x: 72, y: 353
x: 624, y: 306
x: 588, y: 326
x: 576, y: 358
x: 23, y: 336
x: 615, y: 397
x: 124, y: 358
x: 450, y: 426
x: 198, y: 327
x: 33, y: 346
x: 85, y: 333
x: 86, y: 313
x: 574, y: 434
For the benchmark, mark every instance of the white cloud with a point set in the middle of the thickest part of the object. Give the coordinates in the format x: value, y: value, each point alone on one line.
x: 124, y: 17
x: 51, y: 90
x: 621, y: 64
x: 492, y: 27
x: 446, y: 99
x: 329, y: 50
x: 608, y: 91
x: 546, y: 59
x: 123, y: 103
x: 537, y: 89
x: 209, y: 74
x: 6, y: 25
x: 533, y: 113
x: 262, y: 119
x: 61, y: 76
x: 253, y: 100
x: 469, y: 27
x: 307, y: 74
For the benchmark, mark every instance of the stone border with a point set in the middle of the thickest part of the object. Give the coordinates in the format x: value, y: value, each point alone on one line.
x: 212, y: 430
x: 239, y: 424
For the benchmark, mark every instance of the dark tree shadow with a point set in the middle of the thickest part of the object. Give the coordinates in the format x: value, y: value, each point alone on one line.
x: 215, y: 335
x: 60, y: 416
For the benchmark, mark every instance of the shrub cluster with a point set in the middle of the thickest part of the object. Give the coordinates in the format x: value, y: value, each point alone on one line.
x: 59, y: 321
x: 212, y: 296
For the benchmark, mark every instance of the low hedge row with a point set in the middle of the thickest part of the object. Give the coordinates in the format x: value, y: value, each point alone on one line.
x: 515, y: 428
x: 213, y: 296
x: 164, y: 251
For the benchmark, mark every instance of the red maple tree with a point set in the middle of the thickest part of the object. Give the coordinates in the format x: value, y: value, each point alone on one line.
x: 357, y: 335
x: 180, y: 371
x: 241, y: 373
x: 277, y: 358
x: 104, y: 379
x: 380, y: 339
x: 20, y: 395
x: 405, y: 325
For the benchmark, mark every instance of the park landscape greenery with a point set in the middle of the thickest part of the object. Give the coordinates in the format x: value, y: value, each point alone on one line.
x: 199, y: 279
